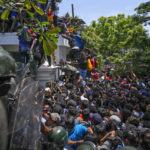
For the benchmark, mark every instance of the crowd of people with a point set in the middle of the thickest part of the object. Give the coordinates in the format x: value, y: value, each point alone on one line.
x: 110, y: 111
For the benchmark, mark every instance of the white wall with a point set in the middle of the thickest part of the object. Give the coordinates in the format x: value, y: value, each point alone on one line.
x: 8, y: 39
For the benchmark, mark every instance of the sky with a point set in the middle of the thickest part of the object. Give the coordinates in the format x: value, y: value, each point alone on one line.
x: 90, y: 10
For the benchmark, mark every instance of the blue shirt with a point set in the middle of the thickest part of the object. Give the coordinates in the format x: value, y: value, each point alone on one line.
x: 77, y: 134
x: 23, y: 44
x: 144, y: 92
x: 13, y: 13
x: 78, y: 41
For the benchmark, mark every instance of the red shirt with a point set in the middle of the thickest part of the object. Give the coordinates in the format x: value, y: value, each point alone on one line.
x: 89, y: 119
x: 123, y: 82
x: 95, y: 76
x: 108, y: 78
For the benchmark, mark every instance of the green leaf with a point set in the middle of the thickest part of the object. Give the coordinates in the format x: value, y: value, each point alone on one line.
x: 47, y: 47
x: 38, y: 9
x: 45, y: 23
x: 27, y: 35
x: 19, y: 32
x: 42, y: 1
x: 35, y: 30
x: 41, y: 38
x: 54, y: 45
x: 1, y: 1
x: 39, y: 23
x: 55, y: 30
x: 31, y: 14
x: 5, y: 14
x: 53, y: 39
x: 27, y: 4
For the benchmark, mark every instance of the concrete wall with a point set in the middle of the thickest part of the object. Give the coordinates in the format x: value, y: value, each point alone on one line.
x: 61, y: 53
x: 8, y: 39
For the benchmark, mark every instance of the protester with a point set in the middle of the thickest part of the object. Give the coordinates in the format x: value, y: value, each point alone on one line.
x: 113, y: 113
x: 24, y: 45
x: 83, y: 65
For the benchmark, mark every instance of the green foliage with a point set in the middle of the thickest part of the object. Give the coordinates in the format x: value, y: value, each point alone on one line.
x: 47, y: 47
x: 93, y: 41
x: 110, y: 35
x: 100, y: 61
x: 119, y: 39
x: 37, y: 9
x: 42, y: 1
x: 131, y: 60
x: 143, y: 11
x: 5, y: 14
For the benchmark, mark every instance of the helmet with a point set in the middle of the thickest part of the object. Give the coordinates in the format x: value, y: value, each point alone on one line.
x: 7, y: 64
x: 87, y: 146
x: 58, y: 135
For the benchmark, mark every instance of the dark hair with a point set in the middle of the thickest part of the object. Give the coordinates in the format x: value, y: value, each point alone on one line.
x: 103, y: 112
x: 69, y: 122
x: 82, y: 54
x: 143, y: 133
x: 91, y: 137
x: 131, y: 136
x: 86, y: 112
x: 100, y: 129
x: 111, y: 126
x: 98, y: 101
x: 57, y: 109
x: 93, y: 109
x: 85, y: 104
x: 69, y: 86
x: 134, y: 122
x: 47, y: 102
x: 146, y: 124
x: 50, y: 145
x: 72, y: 110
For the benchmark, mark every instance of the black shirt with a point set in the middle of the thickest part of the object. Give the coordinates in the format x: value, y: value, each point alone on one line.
x: 83, y: 64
